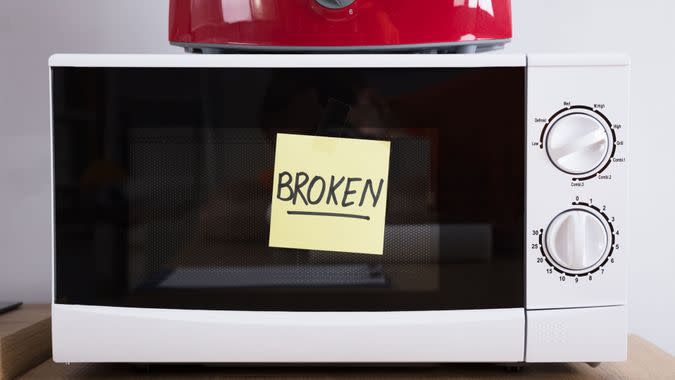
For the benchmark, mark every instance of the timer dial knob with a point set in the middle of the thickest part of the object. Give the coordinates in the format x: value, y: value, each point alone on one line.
x: 577, y: 143
x: 577, y: 241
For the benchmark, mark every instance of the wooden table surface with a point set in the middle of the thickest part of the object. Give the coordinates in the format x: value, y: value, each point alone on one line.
x: 25, y: 339
x: 645, y: 361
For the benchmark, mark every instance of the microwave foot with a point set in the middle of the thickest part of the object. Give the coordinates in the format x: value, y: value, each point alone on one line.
x: 513, y: 367
x: 593, y: 364
x: 141, y: 367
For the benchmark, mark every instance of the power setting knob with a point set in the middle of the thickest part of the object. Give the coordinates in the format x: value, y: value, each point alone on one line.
x: 578, y: 143
x: 577, y: 241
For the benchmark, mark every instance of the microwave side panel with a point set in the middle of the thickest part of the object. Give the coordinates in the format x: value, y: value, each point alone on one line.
x: 577, y: 207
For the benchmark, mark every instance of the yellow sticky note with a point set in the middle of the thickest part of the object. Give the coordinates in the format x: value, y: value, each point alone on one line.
x: 329, y: 194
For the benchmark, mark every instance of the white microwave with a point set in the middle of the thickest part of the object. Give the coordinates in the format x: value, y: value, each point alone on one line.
x: 504, y: 237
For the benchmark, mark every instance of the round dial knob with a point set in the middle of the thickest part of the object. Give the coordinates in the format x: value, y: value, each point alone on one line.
x: 335, y: 4
x: 577, y: 241
x: 577, y: 143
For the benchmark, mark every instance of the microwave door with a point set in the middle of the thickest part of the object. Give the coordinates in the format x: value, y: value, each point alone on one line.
x: 163, y: 184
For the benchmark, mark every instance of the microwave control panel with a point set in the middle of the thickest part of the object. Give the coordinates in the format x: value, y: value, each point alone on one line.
x: 577, y: 181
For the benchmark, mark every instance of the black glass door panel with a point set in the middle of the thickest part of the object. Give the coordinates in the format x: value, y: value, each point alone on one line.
x: 163, y: 184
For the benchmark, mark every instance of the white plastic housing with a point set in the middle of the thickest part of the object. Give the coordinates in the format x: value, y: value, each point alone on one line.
x: 108, y: 334
x: 595, y: 334
x: 556, y: 84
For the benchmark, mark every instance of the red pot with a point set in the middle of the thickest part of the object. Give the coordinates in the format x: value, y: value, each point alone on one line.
x: 339, y: 25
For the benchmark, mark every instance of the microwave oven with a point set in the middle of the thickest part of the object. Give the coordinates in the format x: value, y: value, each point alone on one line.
x: 505, y: 236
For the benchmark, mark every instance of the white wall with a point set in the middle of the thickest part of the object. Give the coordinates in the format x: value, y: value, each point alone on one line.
x: 32, y: 30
